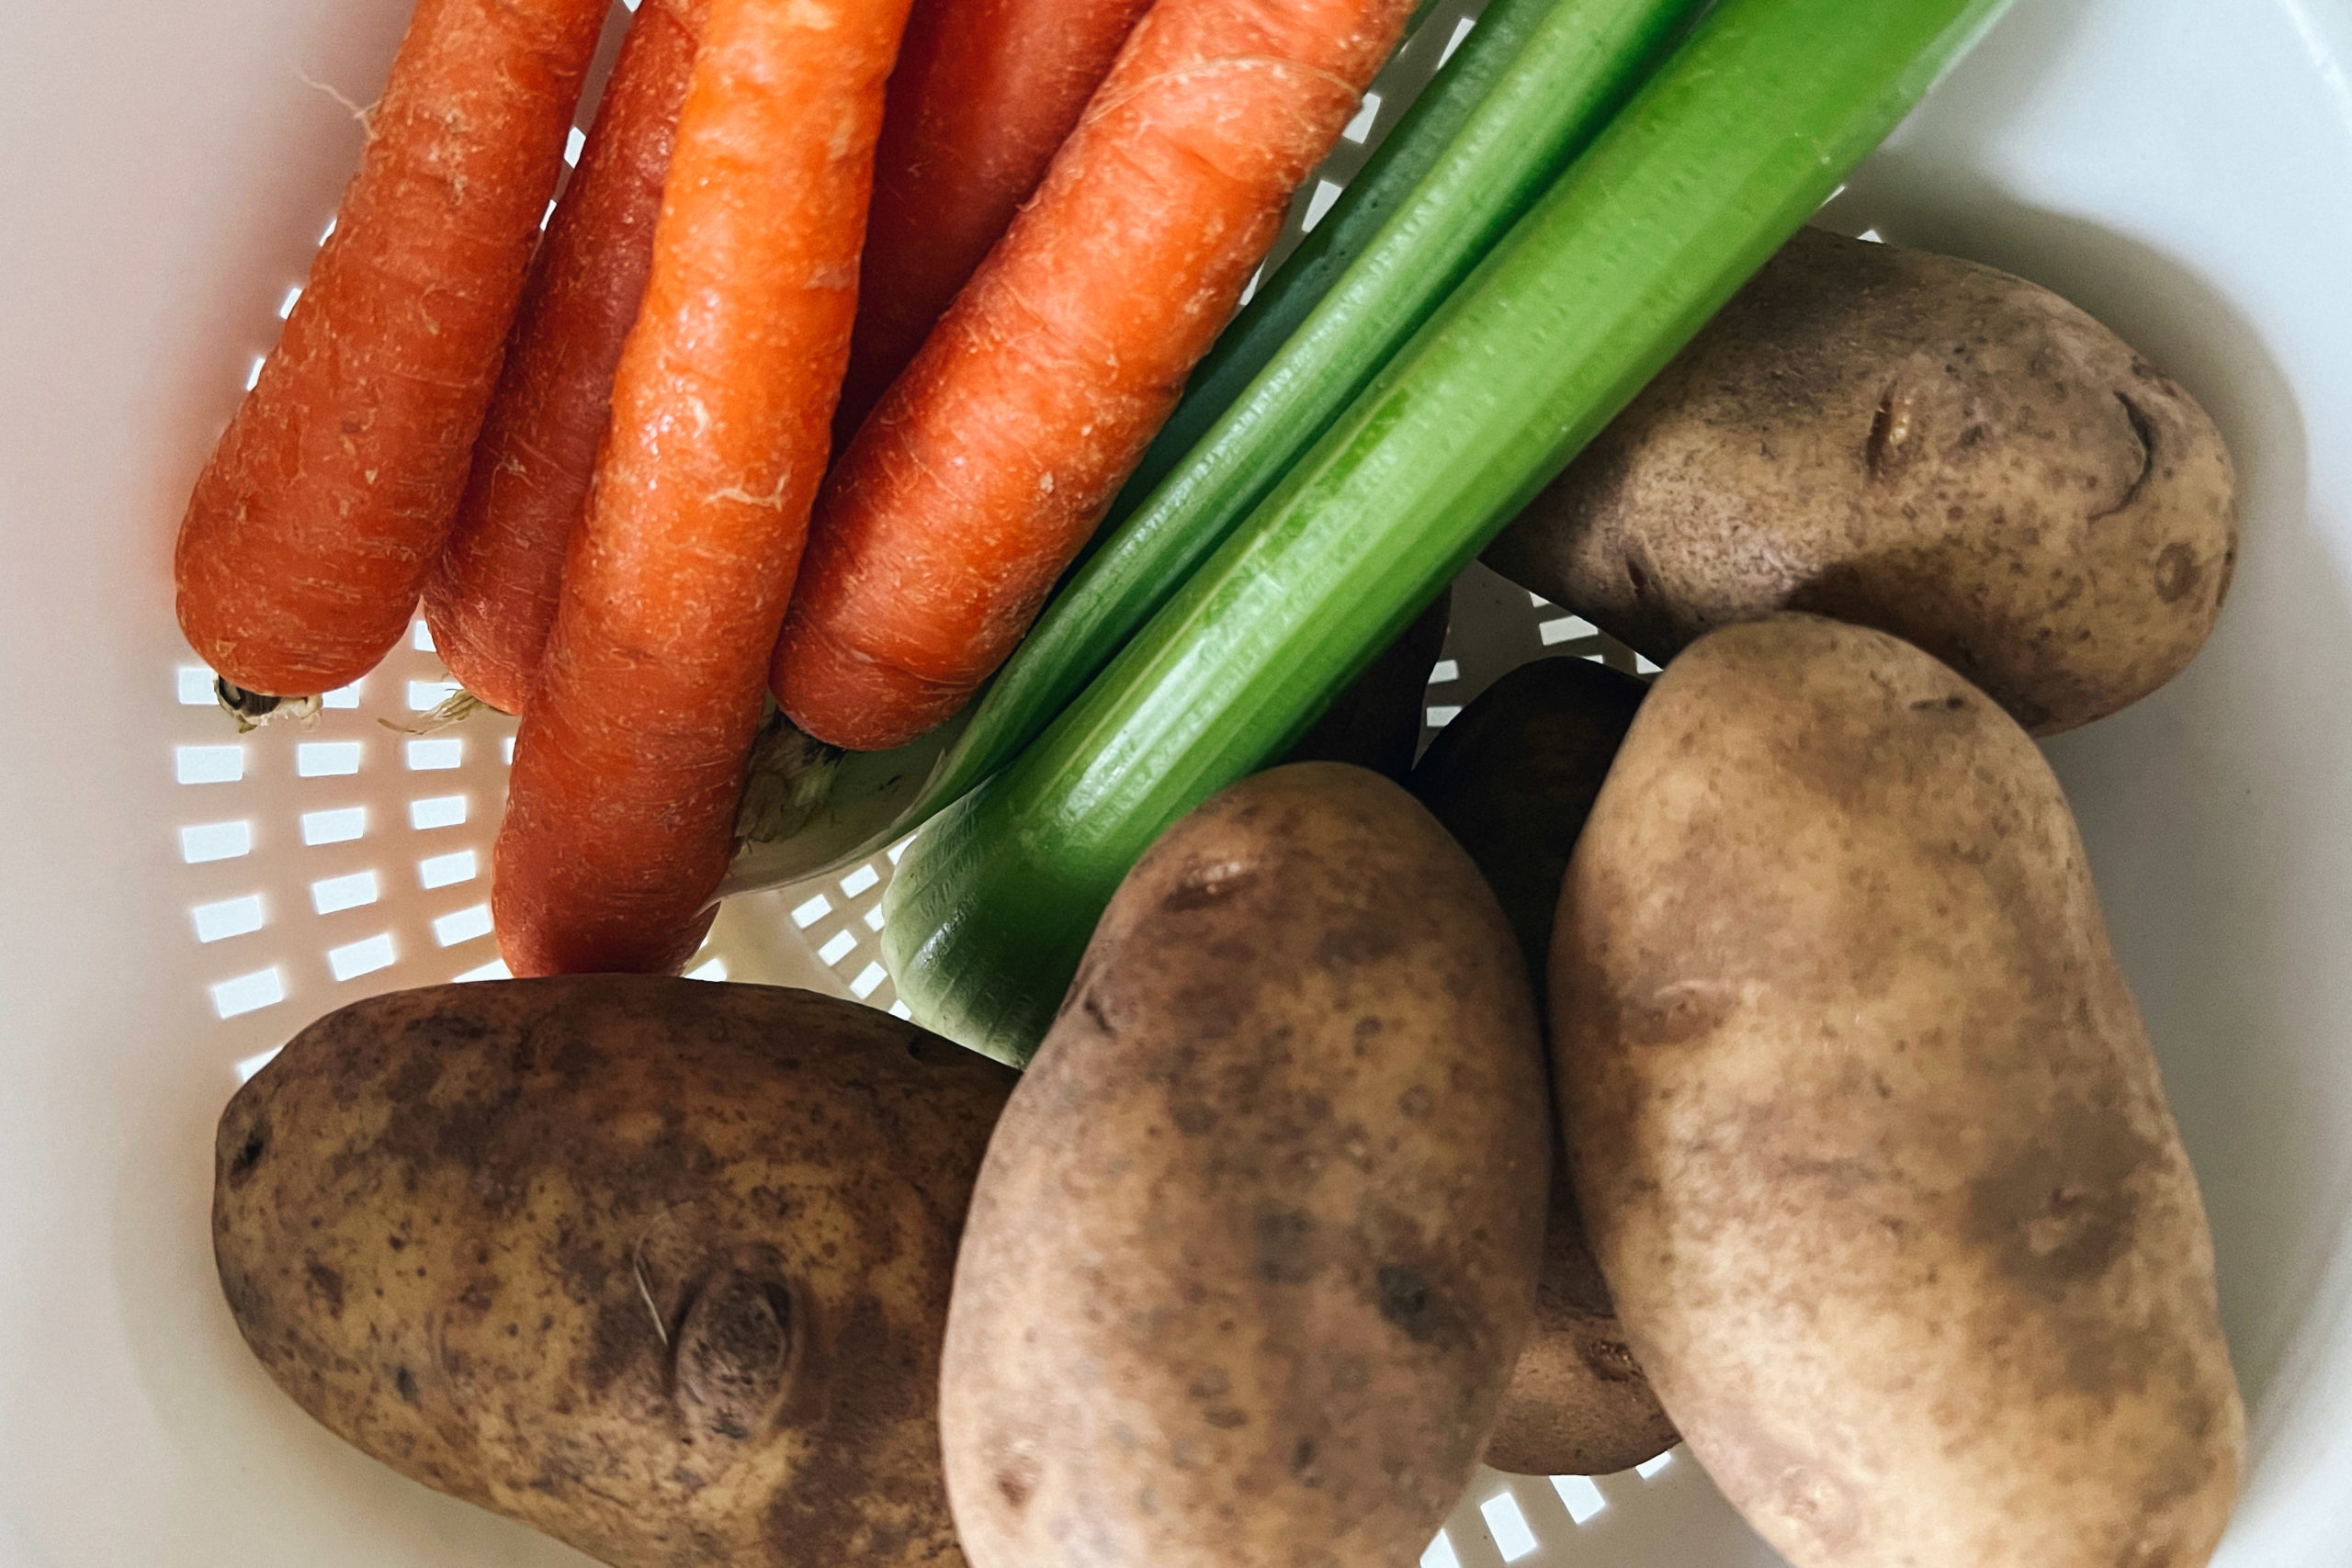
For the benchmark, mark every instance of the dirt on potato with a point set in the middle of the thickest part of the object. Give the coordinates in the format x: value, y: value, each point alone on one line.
x: 1255, y: 1245
x: 1869, y: 1138
x: 1914, y: 443
x: 657, y: 1267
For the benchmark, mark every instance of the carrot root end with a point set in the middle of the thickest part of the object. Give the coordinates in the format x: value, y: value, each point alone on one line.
x: 253, y: 709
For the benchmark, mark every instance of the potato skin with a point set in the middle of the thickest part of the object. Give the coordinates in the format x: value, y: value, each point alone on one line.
x: 1512, y: 778
x: 1255, y: 1245
x: 1578, y: 1403
x: 1914, y: 443
x: 657, y: 1267
x: 1868, y: 1133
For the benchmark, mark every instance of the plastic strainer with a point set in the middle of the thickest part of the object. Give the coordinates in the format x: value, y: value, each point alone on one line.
x: 176, y: 899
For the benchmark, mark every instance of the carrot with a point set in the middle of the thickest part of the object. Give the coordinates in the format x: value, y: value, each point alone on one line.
x: 983, y: 97
x: 492, y: 597
x: 327, y: 501
x: 989, y: 461
x: 627, y: 772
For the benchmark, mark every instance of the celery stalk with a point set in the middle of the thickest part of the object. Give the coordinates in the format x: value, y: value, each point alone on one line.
x: 1534, y: 83
x: 1713, y: 164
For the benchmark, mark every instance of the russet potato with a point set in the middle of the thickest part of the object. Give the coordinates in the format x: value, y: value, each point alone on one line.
x: 1914, y: 443
x: 657, y: 1267
x: 1868, y: 1134
x: 1255, y: 1245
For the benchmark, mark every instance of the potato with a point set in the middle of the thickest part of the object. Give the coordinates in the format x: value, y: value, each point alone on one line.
x: 1576, y: 1403
x: 1376, y: 722
x: 1513, y: 779
x: 1916, y: 444
x: 655, y: 1265
x: 1867, y: 1132
x: 1255, y: 1245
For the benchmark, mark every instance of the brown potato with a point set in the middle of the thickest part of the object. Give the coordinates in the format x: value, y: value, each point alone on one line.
x: 1376, y: 722
x: 1870, y: 1141
x: 1513, y: 779
x: 1578, y: 1403
x: 655, y: 1265
x: 1255, y: 1245
x: 1912, y: 442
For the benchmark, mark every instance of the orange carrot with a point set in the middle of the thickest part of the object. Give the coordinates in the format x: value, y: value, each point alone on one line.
x: 492, y: 597
x: 328, y: 499
x: 989, y: 462
x: 621, y: 808
x: 984, y: 93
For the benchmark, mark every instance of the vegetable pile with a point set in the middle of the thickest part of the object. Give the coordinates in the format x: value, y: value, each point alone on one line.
x: 1737, y: 1058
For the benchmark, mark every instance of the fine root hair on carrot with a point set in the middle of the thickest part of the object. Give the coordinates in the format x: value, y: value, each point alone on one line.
x: 454, y: 709
x: 363, y: 113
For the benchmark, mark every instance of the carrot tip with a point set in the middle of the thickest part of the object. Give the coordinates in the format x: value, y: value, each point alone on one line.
x: 253, y: 709
x: 791, y: 783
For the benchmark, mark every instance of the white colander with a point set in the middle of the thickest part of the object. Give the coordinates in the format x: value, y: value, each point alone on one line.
x: 176, y: 899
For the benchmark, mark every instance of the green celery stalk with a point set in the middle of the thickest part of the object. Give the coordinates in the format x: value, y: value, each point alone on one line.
x: 1534, y: 83
x: 1716, y: 161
